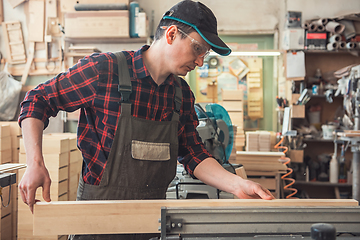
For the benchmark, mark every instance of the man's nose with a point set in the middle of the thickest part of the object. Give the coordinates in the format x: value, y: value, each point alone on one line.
x: 199, y: 61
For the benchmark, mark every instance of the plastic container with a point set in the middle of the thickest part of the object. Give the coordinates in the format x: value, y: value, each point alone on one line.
x: 134, y: 19
x: 328, y: 131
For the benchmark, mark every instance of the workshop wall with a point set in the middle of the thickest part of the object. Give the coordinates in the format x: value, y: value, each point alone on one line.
x: 236, y: 17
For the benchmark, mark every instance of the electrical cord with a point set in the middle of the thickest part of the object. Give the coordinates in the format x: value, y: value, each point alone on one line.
x: 2, y: 200
x: 289, y: 170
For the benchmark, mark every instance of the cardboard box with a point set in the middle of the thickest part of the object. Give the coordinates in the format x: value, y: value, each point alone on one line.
x: 298, y: 111
x: 97, y: 24
x: 296, y: 156
x: 315, y: 40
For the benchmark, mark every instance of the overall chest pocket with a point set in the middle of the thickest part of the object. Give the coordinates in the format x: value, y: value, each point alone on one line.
x: 150, y: 151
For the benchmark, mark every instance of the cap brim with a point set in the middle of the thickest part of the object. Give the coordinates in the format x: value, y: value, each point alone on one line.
x: 217, y: 45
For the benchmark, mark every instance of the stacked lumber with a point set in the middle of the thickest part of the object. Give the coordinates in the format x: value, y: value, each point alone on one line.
x: 56, y: 153
x: 260, y: 161
x: 263, y: 141
x: 263, y: 167
x: 74, y: 166
x: 252, y: 141
x: 10, y: 134
x: 232, y: 101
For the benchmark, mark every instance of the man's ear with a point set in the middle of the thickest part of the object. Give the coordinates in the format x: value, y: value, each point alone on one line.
x: 170, y: 34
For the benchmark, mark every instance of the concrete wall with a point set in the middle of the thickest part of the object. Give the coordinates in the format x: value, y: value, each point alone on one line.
x: 234, y: 16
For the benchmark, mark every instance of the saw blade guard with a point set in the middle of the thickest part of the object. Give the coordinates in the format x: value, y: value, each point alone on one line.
x: 220, y: 115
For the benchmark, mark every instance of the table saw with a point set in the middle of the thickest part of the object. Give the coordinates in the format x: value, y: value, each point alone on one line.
x: 200, y: 218
x: 260, y: 223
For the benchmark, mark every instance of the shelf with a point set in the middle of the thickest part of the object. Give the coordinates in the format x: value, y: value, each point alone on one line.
x: 345, y: 51
x: 106, y: 40
x: 323, y: 96
x: 318, y: 140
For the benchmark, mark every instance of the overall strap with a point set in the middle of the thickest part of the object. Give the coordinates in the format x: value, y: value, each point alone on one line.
x: 177, y: 100
x: 178, y: 95
x: 124, y: 87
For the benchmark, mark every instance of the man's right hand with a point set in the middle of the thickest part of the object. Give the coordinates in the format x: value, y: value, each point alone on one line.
x: 35, y: 176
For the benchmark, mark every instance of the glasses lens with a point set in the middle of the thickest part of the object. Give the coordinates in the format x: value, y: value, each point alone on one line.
x: 199, y: 49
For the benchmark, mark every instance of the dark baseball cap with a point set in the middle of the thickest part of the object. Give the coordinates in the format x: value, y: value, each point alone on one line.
x: 202, y: 19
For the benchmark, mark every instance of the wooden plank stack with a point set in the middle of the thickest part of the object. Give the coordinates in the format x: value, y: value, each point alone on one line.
x: 74, y: 166
x: 10, y: 134
x: 232, y: 101
x: 56, y: 152
x: 263, y: 141
x: 260, y: 161
x: 262, y: 167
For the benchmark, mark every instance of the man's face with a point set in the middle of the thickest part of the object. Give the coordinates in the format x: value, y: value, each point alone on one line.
x: 189, y: 52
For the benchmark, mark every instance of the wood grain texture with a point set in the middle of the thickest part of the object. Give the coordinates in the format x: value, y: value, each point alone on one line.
x: 140, y: 216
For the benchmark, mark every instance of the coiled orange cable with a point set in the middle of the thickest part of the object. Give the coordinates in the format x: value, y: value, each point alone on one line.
x: 286, y: 161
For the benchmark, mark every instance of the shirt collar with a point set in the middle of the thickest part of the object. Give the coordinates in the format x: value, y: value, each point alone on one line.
x: 140, y: 70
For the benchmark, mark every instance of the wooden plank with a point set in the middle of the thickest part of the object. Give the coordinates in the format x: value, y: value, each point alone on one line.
x: 7, y: 167
x: 51, y: 144
x: 232, y: 95
x: 4, y: 130
x: 5, y: 156
x: 15, y: 129
x: 29, y: 61
x: 36, y: 20
x: 5, y: 143
x: 140, y: 216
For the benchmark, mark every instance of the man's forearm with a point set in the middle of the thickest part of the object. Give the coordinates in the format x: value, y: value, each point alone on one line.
x: 32, y: 131
x: 212, y: 173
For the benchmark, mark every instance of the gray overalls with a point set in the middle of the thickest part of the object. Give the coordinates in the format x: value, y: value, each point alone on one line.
x: 142, y: 160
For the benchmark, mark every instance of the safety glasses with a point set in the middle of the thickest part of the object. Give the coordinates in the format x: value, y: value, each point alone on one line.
x: 198, y: 48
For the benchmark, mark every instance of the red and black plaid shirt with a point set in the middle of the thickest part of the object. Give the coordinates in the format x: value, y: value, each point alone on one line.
x: 92, y: 86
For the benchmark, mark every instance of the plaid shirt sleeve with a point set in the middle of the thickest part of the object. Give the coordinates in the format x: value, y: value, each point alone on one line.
x: 191, y: 148
x: 68, y: 91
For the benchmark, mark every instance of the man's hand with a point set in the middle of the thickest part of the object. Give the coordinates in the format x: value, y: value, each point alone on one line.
x: 36, y: 175
x: 212, y: 173
x: 253, y: 190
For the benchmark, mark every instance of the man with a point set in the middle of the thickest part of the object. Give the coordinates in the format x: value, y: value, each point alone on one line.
x: 132, y: 128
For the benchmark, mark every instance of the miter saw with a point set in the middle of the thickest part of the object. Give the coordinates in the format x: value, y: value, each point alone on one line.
x: 216, y: 132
